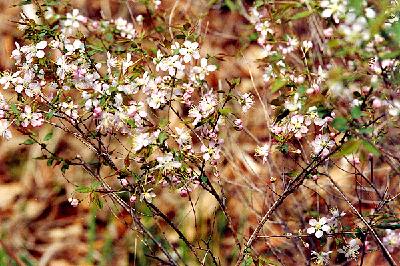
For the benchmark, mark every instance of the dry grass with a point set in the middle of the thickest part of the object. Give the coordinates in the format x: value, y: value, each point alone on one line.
x: 37, y: 222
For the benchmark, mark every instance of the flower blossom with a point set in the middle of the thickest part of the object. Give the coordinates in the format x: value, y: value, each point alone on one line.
x: 318, y: 228
x: 322, y: 145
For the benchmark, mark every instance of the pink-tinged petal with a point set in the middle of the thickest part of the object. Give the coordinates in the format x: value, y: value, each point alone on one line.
x: 323, y: 220
x: 313, y: 222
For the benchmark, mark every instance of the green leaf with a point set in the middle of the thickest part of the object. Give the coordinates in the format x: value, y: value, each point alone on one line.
x: 49, y: 115
x: 95, y: 185
x: 349, y: 147
x: 340, y: 124
x: 163, y: 122
x: 277, y: 84
x: 162, y: 137
x: 356, y: 112
x: 303, y: 14
x: 388, y: 226
x: 83, y: 189
x: 371, y: 148
x: 48, y: 136
x: 14, y: 109
x: 253, y: 36
x: 247, y: 261
x: 29, y: 142
x: 366, y: 130
x: 225, y: 111
x: 97, y: 201
x: 231, y: 5
x: 356, y: 5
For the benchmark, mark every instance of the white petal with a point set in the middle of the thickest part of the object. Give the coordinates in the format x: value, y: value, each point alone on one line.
x: 313, y: 222
x: 326, y: 13
x: 319, y: 234
x: 326, y: 228
x: 311, y: 230
x: 40, y: 54
x: 41, y: 45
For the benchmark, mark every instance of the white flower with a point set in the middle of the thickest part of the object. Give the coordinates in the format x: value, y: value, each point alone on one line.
x: 322, y: 144
x: 210, y: 152
x: 144, y: 139
x: 263, y: 152
x: 147, y: 196
x: 351, y: 250
x: 171, y: 64
x: 391, y: 240
x: 183, y: 138
x: 39, y: 49
x: 321, y: 258
x: 34, y: 119
x: 394, y: 107
x: 307, y: 45
x: 73, y: 19
x: 263, y: 28
x: 333, y: 8
x: 74, y: 202
x: 355, y: 29
x: 318, y: 227
x: 4, y: 131
x: 157, y: 98
x: 72, y: 47
x: 246, y: 100
x: 167, y: 162
x: 297, y: 126
x: 295, y: 104
x: 200, y: 72
x: 127, y: 29
x: 189, y: 51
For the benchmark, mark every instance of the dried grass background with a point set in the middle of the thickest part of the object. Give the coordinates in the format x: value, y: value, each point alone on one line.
x: 36, y: 220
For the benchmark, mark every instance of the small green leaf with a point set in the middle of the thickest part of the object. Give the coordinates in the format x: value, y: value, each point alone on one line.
x: 356, y: 112
x: 277, y: 84
x: 356, y: 5
x: 231, y: 5
x: 29, y: 142
x: 162, y: 137
x: 349, y: 147
x: 48, y: 136
x: 14, y: 109
x: 371, y: 148
x: 302, y: 14
x: 98, y: 201
x: 49, y: 115
x: 388, y: 226
x: 163, y: 122
x: 367, y: 130
x: 83, y: 189
x: 253, y: 36
x: 225, y: 111
x: 340, y: 124
x: 95, y: 185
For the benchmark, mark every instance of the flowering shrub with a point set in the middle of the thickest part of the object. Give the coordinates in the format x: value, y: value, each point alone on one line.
x: 143, y: 102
